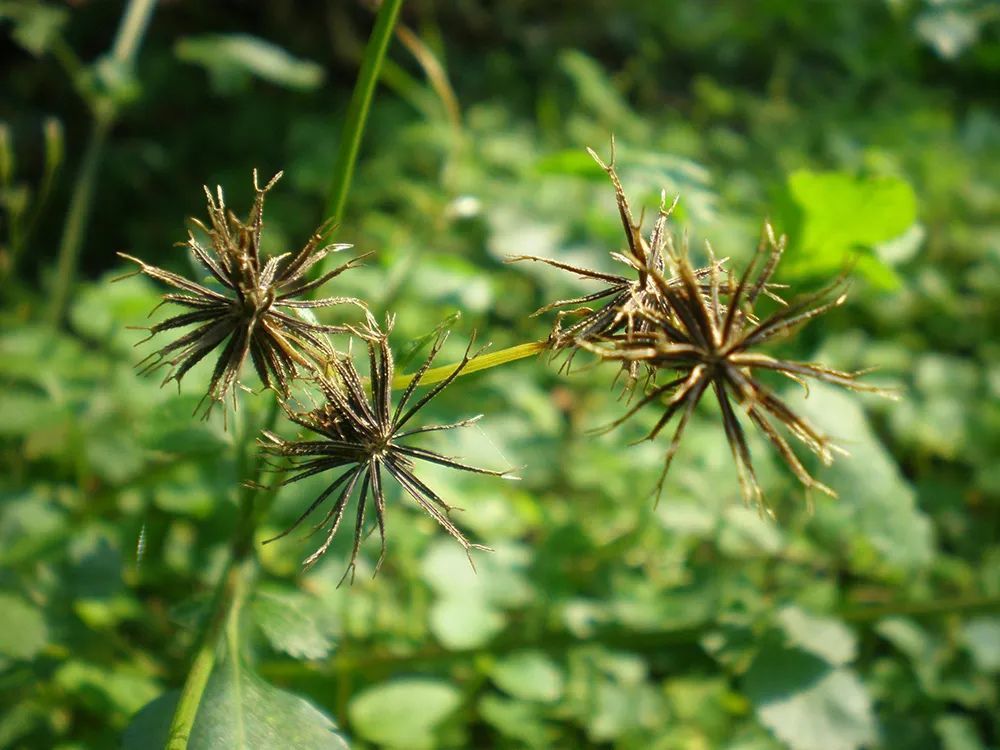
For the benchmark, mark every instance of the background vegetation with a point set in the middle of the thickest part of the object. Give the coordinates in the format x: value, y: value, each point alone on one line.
x: 600, y: 621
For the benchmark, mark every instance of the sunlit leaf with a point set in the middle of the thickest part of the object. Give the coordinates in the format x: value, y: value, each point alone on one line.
x: 403, y: 713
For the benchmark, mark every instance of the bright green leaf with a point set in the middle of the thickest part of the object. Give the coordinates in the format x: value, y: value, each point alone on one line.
x: 464, y: 622
x: 825, y: 637
x: 403, y: 713
x: 529, y: 675
x: 238, y: 711
x: 291, y: 621
x: 982, y: 636
x: 24, y: 632
x: 840, y: 214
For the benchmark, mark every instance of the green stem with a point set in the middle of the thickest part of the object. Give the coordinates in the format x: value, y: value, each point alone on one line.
x: 124, y: 50
x: 232, y: 588
x: 357, y: 109
x: 482, y: 362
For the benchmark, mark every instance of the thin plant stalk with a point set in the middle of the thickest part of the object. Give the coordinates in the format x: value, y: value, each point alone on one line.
x: 482, y: 362
x: 128, y: 39
x: 241, y: 569
x: 357, y: 109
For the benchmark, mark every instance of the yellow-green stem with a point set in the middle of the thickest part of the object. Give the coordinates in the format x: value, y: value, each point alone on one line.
x: 482, y: 362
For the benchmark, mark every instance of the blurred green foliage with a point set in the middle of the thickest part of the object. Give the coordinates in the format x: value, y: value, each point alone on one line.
x: 869, y: 131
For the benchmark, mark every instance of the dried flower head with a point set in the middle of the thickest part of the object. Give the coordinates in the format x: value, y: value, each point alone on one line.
x: 625, y: 295
x: 254, y: 309
x: 365, y: 436
x: 708, y: 345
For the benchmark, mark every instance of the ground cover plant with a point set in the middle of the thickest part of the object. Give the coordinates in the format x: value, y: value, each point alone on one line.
x: 798, y: 203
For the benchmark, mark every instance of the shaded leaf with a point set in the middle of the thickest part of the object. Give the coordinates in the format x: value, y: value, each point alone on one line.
x: 808, y: 704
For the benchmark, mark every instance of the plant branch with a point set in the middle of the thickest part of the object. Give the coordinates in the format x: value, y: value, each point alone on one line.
x: 357, y: 109
x: 232, y: 588
x: 105, y: 110
x: 482, y: 362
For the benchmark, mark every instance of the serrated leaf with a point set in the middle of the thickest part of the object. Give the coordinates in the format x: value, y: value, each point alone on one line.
x: 238, y: 711
x: 231, y: 58
x: 24, y: 632
x: 403, y: 713
x: 808, y: 704
x: 838, y: 215
x: 529, y: 675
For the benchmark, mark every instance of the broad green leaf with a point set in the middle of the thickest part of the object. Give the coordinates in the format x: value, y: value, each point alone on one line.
x: 808, y: 704
x: 529, y: 675
x: 464, y: 622
x: 292, y: 622
x: 24, y: 632
x: 958, y: 733
x: 231, y: 58
x: 403, y: 713
x: 238, y: 711
x: 515, y: 719
x: 876, y: 505
x: 121, y: 689
x: 982, y: 637
x: 838, y: 215
x: 949, y: 32
x: 36, y: 25
x: 825, y: 637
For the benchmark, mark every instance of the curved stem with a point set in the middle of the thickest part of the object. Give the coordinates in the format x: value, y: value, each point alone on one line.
x: 357, y: 109
x: 482, y: 362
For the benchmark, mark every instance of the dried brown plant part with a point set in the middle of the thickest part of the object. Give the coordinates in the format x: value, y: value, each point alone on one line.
x: 624, y: 294
x: 365, y: 436
x: 253, y: 310
x: 706, y: 344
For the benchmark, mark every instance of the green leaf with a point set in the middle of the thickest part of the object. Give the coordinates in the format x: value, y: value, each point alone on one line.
x: 838, y: 215
x: 239, y: 711
x: 36, y: 26
x: 231, y: 58
x: 515, y: 719
x: 825, y: 637
x: 24, y: 632
x: 121, y: 688
x: 808, y: 704
x: 982, y: 637
x: 464, y: 622
x: 403, y: 713
x: 877, y: 506
x: 529, y: 675
x: 293, y: 622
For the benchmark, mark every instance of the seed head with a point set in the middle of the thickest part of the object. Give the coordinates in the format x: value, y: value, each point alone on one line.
x: 365, y: 436
x: 251, y: 307
x: 705, y: 345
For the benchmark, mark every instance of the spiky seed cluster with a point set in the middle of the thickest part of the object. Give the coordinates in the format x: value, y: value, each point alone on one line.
x: 625, y: 295
x: 707, y: 345
x: 699, y: 326
x: 253, y: 309
x: 365, y: 436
